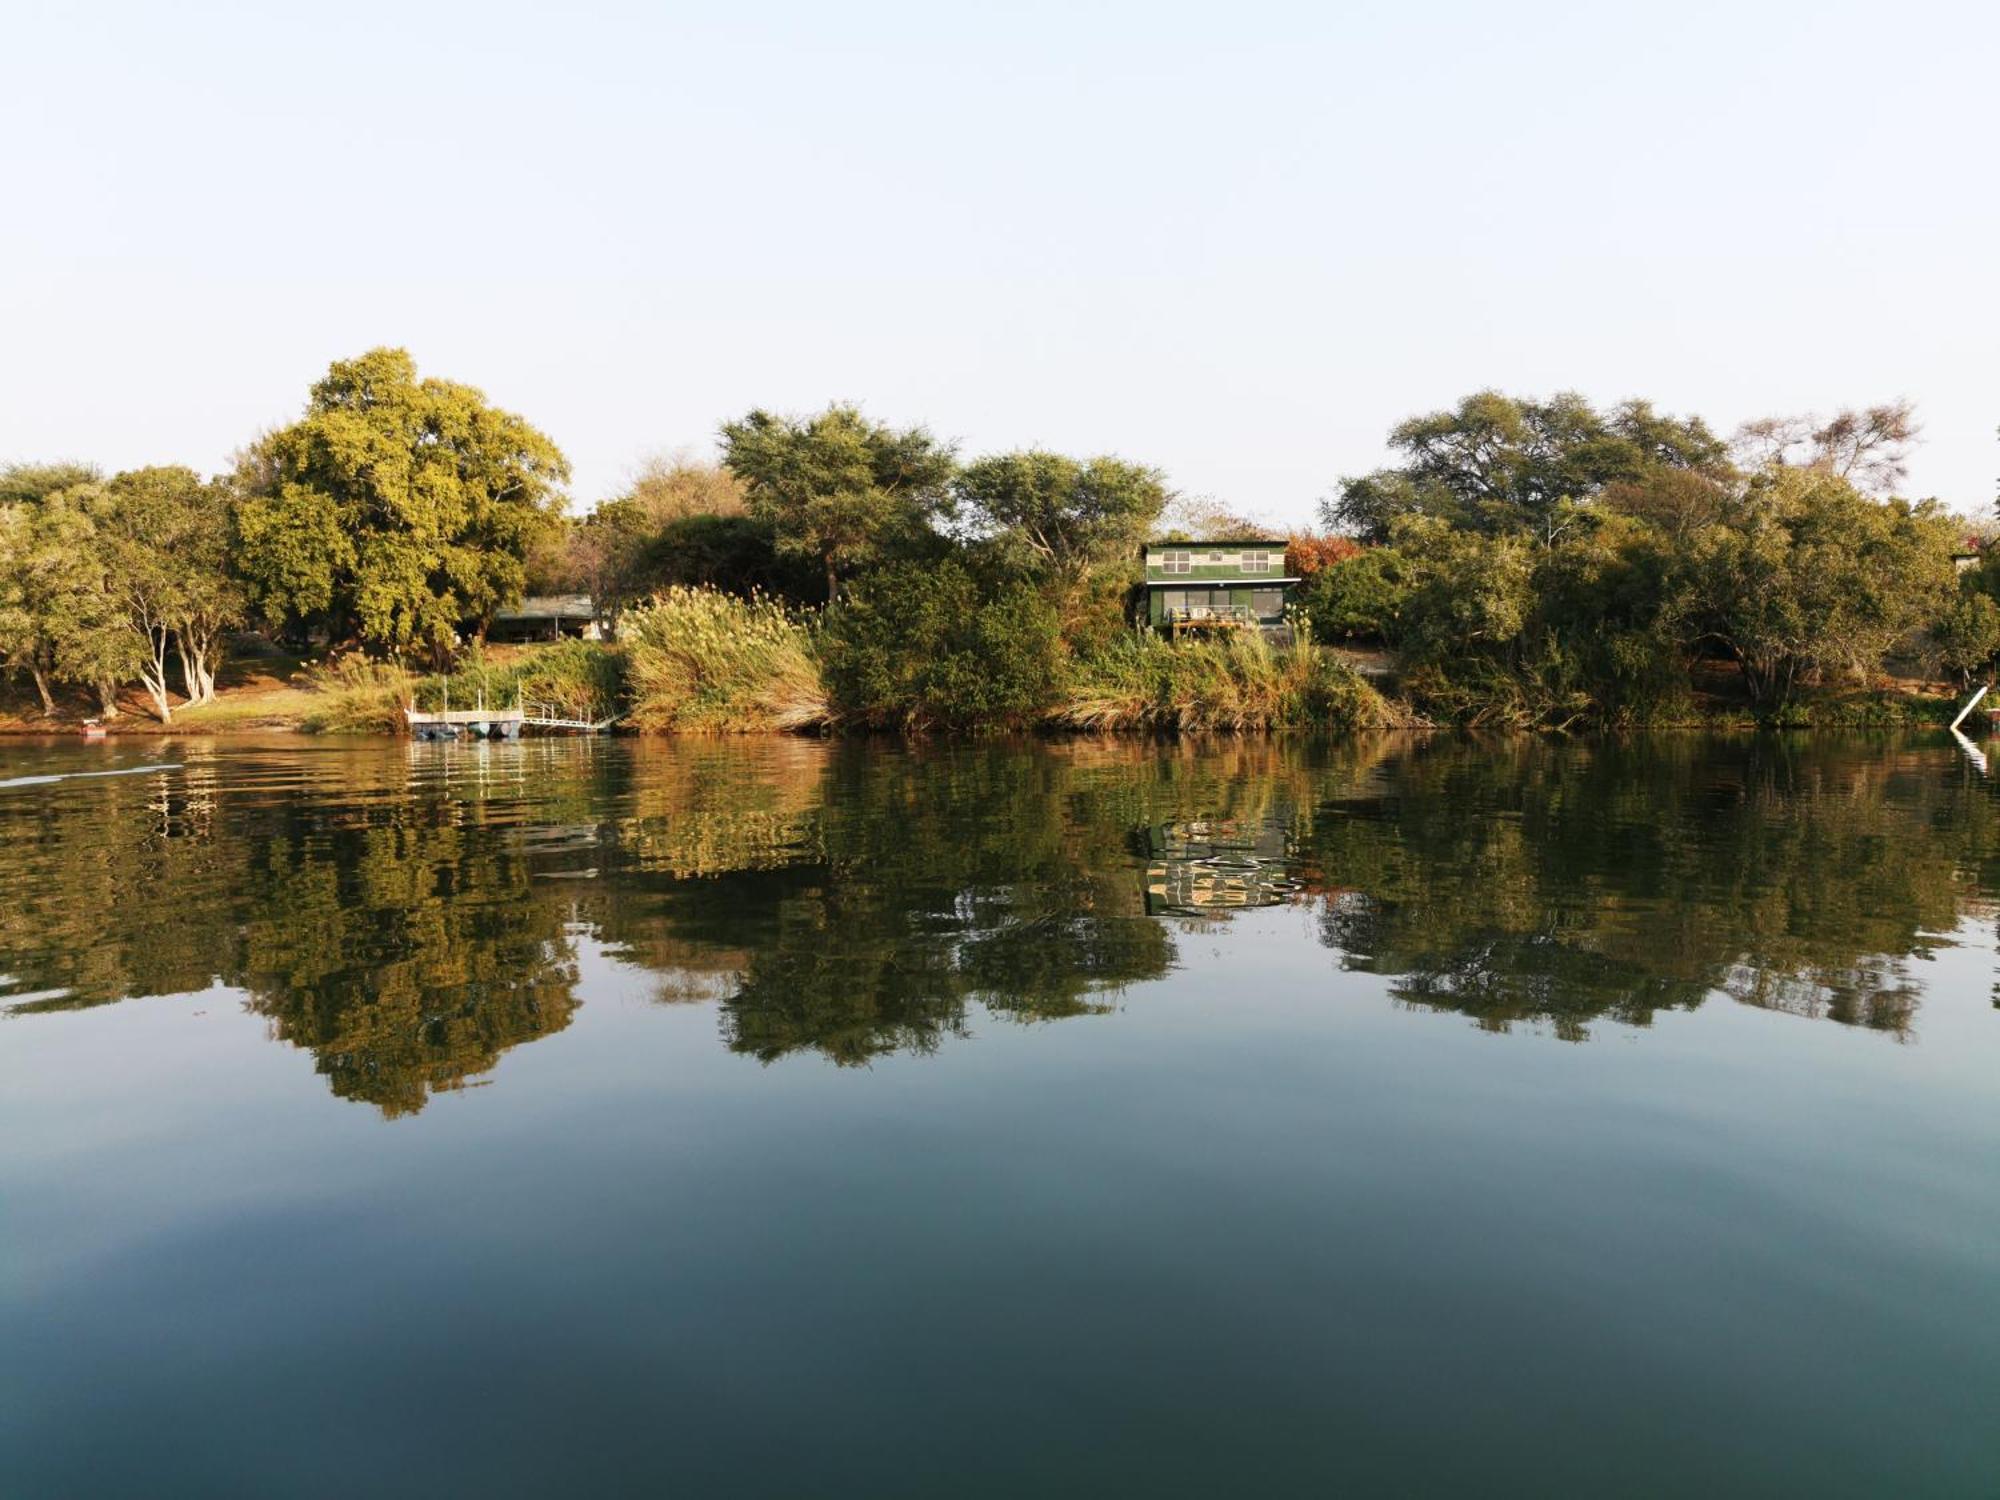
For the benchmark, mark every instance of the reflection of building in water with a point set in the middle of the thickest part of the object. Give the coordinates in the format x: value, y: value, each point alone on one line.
x: 1207, y: 865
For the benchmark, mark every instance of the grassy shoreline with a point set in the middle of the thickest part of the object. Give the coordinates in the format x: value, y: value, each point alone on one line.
x: 300, y: 705
x: 700, y: 662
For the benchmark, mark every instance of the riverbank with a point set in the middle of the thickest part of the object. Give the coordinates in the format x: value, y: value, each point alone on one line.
x: 278, y: 694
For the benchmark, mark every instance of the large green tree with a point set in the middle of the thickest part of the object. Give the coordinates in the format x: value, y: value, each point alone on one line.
x: 1064, y: 514
x: 58, y: 620
x: 1502, y: 464
x: 163, y: 538
x: 397, y: 510
x: 837, y: 487
x: 1812, y: 578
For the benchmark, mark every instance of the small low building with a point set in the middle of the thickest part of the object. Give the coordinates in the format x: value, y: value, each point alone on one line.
x: 546, y: 617
x: 1204, y: 586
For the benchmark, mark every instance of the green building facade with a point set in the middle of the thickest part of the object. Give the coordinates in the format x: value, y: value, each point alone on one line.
x: 1209, y: 585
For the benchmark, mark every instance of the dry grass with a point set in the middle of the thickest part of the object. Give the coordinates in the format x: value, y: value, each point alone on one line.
x: 353, y: 695
x: 1232, y: 685
x: 702, y: 662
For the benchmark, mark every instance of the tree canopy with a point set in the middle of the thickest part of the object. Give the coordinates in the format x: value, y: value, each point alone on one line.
x: 837, y: 487
x: 397, y: 509
x: 1499, y: 464
x: 1063, y: 514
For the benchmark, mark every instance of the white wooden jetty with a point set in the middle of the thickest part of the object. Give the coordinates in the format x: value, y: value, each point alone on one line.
x: 482, y: 723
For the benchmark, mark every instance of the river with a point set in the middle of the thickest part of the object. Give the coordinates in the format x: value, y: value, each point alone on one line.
x: 781, y: 1117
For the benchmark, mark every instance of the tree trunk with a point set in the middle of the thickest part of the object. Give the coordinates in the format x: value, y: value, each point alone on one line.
x: 41, y: 677
x: 154, y: 674
x: 197, y: 677
x: 832, y: 583
x: 197, y: 665
x: 107, y: 699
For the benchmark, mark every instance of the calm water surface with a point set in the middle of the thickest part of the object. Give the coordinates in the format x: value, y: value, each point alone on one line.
x: 782, y: 1118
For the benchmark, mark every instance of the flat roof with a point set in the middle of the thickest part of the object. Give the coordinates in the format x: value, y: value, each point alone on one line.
x: 549, y: 607
x: 1248, y: 541
x: 1183, y: 581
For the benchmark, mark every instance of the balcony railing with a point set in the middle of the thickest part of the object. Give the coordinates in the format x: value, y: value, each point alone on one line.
x: 1212, y: 614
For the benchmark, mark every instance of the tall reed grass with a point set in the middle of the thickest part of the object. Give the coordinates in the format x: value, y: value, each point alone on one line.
x: 703, y: 662
x: 355, y: 695
x: 1233, y: 685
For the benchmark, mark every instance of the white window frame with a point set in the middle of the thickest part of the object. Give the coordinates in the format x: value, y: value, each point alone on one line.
x: 1177, y: 562
x: 1255, y: 562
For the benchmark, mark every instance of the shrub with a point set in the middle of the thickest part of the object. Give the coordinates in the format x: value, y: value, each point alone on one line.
x: 705, y: 662
x: 1966, y: 636
x: 1360, y: 598
x: 917, y: 645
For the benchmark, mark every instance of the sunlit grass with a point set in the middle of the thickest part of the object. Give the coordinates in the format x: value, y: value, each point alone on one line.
x: 704, y: 662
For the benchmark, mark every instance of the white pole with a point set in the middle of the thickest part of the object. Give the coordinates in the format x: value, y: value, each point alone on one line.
x: 1970, y: 704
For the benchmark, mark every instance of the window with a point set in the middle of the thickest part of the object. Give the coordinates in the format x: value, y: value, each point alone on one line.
x: 1175, y: 562
x: 1269, y: 603
x: 1256, y: 562
x: 1217, y: 557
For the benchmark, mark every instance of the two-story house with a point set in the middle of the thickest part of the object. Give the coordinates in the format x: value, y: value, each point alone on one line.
x: 1211, y: 585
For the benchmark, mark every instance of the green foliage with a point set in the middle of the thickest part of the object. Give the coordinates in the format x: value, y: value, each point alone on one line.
x: 573, y: 678
x: 917, y: 645
x: 1061, y: 515
x: 163, y: 543
x: 737, y: 554
x: 579, y: 679
x: 396, y: 510
x: 705, y: 662
x: 355, y: 695
x: 1813, y: 580
x: 1359, y: 599
x: 837, y: 487
x: 1500, y: 464
x: 1466, y: 590
x: 680, y: 523
x: 30, y: 484
x: 59, y: 620
x: 1966, y: 636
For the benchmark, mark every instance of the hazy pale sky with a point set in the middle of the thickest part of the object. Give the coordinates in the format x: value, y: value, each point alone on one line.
x: 1236, y: 241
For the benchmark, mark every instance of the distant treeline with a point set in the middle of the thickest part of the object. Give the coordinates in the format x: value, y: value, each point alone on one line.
x: 1526, y: 561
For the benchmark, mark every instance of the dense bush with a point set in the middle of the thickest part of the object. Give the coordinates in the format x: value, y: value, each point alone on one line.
x: 738, y: 554
x: 1361, y: 598
x: 918, y: 645
x: 1601, y: 614
x: 1966, y: 637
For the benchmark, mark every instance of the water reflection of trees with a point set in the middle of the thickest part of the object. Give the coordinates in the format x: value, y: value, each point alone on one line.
x: 389, y: 926
x: 900, y: 890
x: 406, y: 959
x: 1529, y: 881
x: 409, y: 916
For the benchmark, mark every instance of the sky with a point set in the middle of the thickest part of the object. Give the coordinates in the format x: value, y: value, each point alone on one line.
x: 1238, y: 242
